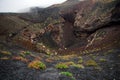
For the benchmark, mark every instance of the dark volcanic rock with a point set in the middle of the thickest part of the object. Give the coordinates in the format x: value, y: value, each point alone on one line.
x: 86, y: 18
x: 96, y: 14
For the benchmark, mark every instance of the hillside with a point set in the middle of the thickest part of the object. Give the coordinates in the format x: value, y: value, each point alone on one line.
x: 74, y: 40
x: 34, y: 22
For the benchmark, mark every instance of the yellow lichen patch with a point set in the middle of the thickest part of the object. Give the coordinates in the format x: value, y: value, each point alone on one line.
x: 37, y: 65
x: 19, y: 58
x: 5, y: 52
x: 91, y: 63
x: 4, y: 58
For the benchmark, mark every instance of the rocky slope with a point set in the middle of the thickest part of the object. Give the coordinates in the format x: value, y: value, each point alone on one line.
x: 87, y: 18
x: 37, y: 22
x: 83, y: 24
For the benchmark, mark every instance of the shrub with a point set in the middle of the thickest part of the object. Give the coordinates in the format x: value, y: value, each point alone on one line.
x: 5, y: 52
x: 24, y: 53
x: 78, y: 66
x: 48, y: 52
x: 67, y: 74
x: 110, y: 51
x: 37, y: 65
x: 19, y: 58
x: 80, y: 60
x: 93, y: 57
x: 4, y: 58
x: 27, y: 52
x: 68, y: 57
x: 69, y: 63
x: 61, y: 66
x: 102, y: 60
x: 91, y: 63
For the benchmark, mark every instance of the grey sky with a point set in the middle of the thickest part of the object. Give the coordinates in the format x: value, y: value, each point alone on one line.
x: 17, y: 5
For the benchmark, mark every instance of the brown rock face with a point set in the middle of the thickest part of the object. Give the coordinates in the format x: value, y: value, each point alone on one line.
x: 94, y: 15
x: 68, y: 36
x: 86, y: 18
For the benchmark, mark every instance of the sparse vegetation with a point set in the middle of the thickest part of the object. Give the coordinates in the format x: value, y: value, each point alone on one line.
x: 78, y: 66
x: 5, y: 52
x: 19, y: 58
x: 80, y: 60
x: 74, y: 40
x: 93, y: 57
x: 67, y: 57
x: 4, y: 58
x: 66, y: 65
x: 27, y: 52
x: 69, y: 63
x: 110, y: 51
x: 48, y: 52
x: 67, y: 74
x: 37, y: 65
x: 102, y: 60
x: 61, y: 66
x: 24, y: 53
x: 91, y: 63
x: 43, y: 48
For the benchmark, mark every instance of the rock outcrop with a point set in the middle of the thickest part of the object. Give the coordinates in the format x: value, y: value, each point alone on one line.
x: 82, y: 21
x: 96, y: 14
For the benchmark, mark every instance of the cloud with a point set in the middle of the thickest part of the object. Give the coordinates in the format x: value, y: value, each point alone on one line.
x: 16, y: 5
